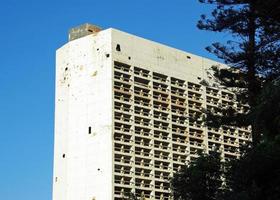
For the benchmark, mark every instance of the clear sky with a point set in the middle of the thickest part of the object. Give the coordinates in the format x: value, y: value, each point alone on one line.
x: 30, y: 32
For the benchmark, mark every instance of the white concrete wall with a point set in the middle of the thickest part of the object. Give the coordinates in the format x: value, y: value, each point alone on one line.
x: 160, y: 58
x: 83, y: 100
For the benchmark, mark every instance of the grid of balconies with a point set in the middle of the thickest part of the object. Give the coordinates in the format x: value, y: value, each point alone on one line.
x: 225, y: 140
x: 158, y: 128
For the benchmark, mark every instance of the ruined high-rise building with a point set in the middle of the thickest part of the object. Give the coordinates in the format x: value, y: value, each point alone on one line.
x: 124, y: 115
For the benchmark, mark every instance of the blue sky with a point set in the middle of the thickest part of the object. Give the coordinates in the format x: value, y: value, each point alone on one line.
x: 30, y: 32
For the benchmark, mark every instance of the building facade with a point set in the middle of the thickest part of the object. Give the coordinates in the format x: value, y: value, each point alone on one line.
x: 128, y: 115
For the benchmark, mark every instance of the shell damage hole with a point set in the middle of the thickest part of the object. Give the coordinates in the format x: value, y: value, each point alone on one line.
x: 118, y: 47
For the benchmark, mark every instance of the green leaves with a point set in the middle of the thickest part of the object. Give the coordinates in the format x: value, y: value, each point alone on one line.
x: 255, y: 77
x: 253, y: 54
x: 201, y: 180
x: 267, y: 111
x: 256, y: 175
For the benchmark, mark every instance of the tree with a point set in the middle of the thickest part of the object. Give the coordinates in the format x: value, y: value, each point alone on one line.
x: 252, y: 53
x: 256, y: 175
x: 201, y: 180
x: 268, y: 10
x: 267, y: 111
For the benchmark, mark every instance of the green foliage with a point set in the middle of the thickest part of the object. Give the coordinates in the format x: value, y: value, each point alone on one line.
x: 256, y: 175
x: 267, y: 111
x: 201, y: 180
x: 252, y: 53
x: 255, y: 72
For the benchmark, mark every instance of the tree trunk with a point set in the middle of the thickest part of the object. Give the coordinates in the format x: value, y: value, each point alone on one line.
x: 251, y: 65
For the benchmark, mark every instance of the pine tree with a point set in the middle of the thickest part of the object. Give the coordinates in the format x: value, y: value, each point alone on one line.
x: 201, y: 180
x: 252, y: 53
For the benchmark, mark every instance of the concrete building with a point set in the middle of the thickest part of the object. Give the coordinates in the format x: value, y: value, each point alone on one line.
x: 127, y: 115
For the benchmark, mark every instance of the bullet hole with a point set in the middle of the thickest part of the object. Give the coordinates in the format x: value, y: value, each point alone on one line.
x: 66, y: 68
x: 118, y: 47
x: 107, y: 55
x: 89, y: 130
x: 199, y: 78
x: 94, y: 73
x: 97, y: 49
x: 188, y: 57
x: 129, y: 58
x: 90, y: 30
x: 98, y: 169
x: 63, y: 155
